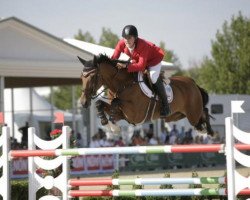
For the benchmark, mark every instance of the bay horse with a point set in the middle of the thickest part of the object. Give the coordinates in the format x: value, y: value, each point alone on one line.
x: 130, y: 103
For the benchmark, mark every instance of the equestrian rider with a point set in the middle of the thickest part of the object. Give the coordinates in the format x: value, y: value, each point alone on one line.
x: 143, y: 54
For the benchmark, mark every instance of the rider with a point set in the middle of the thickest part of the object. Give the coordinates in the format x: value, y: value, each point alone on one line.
x: 143, y: 54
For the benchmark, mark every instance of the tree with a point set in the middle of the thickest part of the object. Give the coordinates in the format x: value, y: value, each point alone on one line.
x: 87, y: 37
x: 169, y: 55
x: 108, y: 38
x: 228, y: 70
x: 63, y: 96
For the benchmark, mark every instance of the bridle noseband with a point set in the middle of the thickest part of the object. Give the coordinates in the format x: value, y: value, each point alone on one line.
x: 94, y: 84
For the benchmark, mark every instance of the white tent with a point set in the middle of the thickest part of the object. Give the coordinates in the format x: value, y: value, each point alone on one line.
x: 97, y: 49
x: 38, y: 114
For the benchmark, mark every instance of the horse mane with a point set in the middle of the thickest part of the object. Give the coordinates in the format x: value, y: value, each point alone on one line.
x: 103, y: 58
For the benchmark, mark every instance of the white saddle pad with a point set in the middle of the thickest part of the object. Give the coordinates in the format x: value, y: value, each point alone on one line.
x: 149, y: 93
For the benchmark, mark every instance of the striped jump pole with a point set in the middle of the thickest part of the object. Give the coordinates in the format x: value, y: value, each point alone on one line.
x: 127, y: 150
x: 147, y: 181
x: 156, y: 192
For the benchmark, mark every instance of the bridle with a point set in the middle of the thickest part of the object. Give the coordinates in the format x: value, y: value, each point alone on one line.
x: 85, y: 73
x: 94, y: 83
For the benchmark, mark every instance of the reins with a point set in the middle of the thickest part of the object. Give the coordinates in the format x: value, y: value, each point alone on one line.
x: 97, y: 95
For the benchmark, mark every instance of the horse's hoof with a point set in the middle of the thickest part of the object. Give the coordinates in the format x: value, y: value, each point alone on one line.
x: 104, y: 122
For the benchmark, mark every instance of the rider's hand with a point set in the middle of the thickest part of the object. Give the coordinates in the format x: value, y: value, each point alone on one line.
x: 121, y: 65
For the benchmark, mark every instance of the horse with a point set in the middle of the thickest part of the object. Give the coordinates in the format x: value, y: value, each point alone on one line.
x: 129, y: 102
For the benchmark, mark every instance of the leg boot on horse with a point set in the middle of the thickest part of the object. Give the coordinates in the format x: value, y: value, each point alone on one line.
x: 161, y: 92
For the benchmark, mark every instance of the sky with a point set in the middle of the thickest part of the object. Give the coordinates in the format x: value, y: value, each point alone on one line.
x: 187, y: 27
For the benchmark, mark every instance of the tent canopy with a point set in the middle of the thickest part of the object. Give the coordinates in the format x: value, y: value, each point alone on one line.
x: 30, y: 57
x: 41, y: 110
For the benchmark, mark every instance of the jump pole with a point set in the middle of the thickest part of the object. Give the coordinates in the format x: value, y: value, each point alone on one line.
x: 147, y: 181
x: 127, y: 150
x: 155, y: 192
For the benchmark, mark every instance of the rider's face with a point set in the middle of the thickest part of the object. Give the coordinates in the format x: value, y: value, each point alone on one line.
x: 129, y: 41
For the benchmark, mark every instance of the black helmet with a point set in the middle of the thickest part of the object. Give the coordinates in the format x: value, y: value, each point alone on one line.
x: 129, y: 30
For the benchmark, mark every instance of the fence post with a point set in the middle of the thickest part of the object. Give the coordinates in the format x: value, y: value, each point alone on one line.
x: 4, y: 163
x: 230, y: 158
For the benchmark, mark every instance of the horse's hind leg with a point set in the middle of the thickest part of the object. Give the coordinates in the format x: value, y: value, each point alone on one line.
x: 207, y: 121
x: 195, y: 117
x: 204, y: 123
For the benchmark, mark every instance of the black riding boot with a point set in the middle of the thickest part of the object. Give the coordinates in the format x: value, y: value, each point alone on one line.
x: 161, y: 92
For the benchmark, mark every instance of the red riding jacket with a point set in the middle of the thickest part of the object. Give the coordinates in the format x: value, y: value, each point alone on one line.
x: 145, y: 54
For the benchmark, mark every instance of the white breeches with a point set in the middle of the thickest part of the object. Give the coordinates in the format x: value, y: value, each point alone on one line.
x: 154, y: 72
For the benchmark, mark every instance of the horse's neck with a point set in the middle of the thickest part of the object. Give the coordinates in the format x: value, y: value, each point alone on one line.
x: 114, y: 78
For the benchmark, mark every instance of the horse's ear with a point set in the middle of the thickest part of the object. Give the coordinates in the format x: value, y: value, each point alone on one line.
x: 82, y: 60
x: 95, y: 59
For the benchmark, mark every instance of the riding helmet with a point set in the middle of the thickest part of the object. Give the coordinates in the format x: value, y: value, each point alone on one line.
x: 130, y: 30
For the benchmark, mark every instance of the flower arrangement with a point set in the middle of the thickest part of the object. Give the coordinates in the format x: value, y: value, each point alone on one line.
x: 55, y: 133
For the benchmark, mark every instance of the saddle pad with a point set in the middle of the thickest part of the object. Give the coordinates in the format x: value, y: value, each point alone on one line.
x: 149, y: 93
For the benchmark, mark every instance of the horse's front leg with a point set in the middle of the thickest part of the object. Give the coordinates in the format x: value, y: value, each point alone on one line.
x: 100, y: 106
x: 112, y: 110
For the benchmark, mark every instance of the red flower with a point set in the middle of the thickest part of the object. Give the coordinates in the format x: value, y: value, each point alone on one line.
x: 55, y: 132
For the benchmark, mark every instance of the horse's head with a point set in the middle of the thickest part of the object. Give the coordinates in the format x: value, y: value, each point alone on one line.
x: 91, y: 81
x: 97, y: 72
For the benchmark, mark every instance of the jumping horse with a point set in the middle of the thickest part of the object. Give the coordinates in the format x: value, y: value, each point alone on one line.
x: 128, y: 101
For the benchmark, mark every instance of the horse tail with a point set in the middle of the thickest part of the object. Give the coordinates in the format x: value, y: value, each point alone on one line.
x: 205, y: 97
x: 205, y: 119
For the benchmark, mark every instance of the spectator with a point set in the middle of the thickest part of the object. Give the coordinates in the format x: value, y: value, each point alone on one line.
x: 208, y: 139
x: 104, y: 142
x: 14, y: 143
x: 173, y: 135
x: 137, y: 140
x: 152, y: 141
x: 119, y: 142
x: 72, y: 139
x: 181, y: 135
x: 189, y: 136
x: 164, y: 137
x: 216, y: 137
x: 24, y: 131
x: 198, y: 139
x: 79, y: 141
x: 150, y: 131
x: 94, y: 143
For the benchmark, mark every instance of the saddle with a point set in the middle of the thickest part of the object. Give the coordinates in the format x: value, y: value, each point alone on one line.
x: 147, y: 86
x: 147, y: 80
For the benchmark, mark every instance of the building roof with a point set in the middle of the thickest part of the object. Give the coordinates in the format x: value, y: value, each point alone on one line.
x: 31, y: 57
